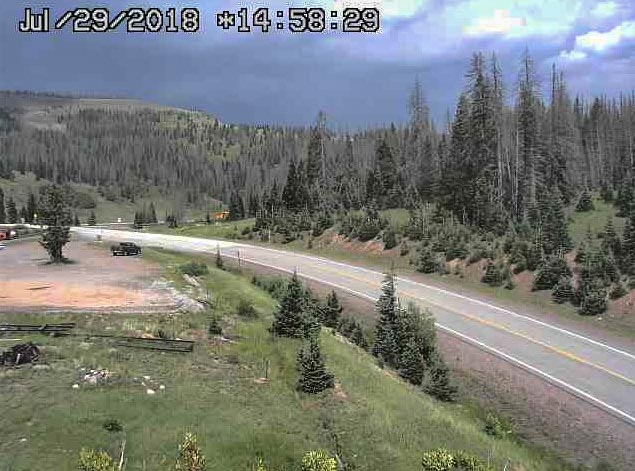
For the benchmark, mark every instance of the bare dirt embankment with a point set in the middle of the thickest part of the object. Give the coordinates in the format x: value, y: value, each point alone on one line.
x: 93, y: 281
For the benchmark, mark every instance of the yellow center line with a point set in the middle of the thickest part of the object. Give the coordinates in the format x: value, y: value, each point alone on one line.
x: 559, y: 351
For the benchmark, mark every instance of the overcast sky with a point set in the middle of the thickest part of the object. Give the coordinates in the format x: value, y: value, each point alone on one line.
x: 359, y: 80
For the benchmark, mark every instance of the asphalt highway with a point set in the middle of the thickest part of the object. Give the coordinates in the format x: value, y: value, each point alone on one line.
x: 601, y: 374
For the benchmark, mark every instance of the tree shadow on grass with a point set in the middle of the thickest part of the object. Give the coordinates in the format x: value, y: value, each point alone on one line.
x: 63, y: 261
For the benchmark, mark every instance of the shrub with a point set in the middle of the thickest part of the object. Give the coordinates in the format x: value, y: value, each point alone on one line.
x: 113, y: 426
x: 390, y: 239
x: 427, y: 262
x: 318, y: 460
x: 190, y: 456
x: 563, y: 291
x: 456, y: 250
x: 617, y: 291
x: 214, y: 328
x: 437, y: 460
x: 550, y: 273
x: 593, y: 301
x: 493, y: 275
x: 444, y: 460
x: 247, y: 309
x: 497, y: 427
x: 403, y: 248
x: 585, y: 203
x: 520, y: 266
x: 194, y: 269
x: 91, y: 460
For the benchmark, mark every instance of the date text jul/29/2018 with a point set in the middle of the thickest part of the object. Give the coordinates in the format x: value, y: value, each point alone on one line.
x: 190, y: 20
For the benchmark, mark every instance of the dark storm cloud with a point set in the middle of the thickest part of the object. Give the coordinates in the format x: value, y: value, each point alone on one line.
x: 284, y: 78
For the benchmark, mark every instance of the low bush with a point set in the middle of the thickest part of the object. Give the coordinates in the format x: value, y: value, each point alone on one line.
x: 246, y: 309
x: 91, y: 460
x: 497, y: 427
x: 194, y: 269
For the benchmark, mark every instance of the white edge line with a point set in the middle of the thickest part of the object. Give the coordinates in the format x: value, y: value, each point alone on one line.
x: 484, y: 346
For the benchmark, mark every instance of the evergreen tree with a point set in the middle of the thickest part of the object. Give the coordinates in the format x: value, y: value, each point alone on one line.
x: 550, y: 273
x: 138, y: 220
x: 388, y: 191
x: 593, y: 301
x: 563, y: 291
x: 386, y: 341
x: 628, y: 247
x: 611, y: 241
x: 492, y: 276
x: 208, y: 218
x: 12, y: 211
x: 357, y: 336
x: 24, y: 215
x: 625, y: 201
x: 437, y: 382
x: 92, y: 219
x: 332, y: 311
x: 456, y: 195
x: 553, y: 227
x: 152, y: 214
x: 314, y: 377
x: 76, y: 221
x: 585, y: 203
x: 289, y: 318
x: 410, y: 365
x: 236, y: 207
x: 219, y: 261
x: 427, y: 263
x: 56, y: 215
x: 31, y: 208
x: 293, y: 190
x: 315, y: 155
x: 3, y: 214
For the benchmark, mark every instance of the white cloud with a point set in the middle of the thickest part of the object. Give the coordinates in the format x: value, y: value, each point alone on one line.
x: 573, y: 55
x: 388, y: 8
x: 599, y: 42
x: 501, y: 23
x: 604, y: 10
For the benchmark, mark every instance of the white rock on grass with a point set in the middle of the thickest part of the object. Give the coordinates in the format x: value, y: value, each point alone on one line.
x: 150, y: 392
x: 162, y: 388
x: 75, y: 386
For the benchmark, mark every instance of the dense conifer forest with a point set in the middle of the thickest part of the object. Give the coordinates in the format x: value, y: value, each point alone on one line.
x: 506, y: 149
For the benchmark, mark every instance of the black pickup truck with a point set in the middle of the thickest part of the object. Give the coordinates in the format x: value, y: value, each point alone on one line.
x: 125, y: 248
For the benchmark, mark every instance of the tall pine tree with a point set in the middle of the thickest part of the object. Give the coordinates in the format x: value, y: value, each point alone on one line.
x: 314, y: 377
x: 289, y: 318
x: 386, y: 346
x: 12, y: 211
x: 3, y: 215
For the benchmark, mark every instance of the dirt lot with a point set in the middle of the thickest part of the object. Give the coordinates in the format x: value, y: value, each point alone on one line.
x: 93, y: 281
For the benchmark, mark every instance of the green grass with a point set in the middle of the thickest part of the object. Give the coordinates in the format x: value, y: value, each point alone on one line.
x: 581, y: 223
x: 221, y: 230
x: 381, y: 422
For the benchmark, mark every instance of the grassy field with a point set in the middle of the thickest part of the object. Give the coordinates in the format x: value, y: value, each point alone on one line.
x: 381, y: 423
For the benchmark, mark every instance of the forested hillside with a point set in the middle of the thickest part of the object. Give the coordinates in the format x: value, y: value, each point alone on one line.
x: 505, y: 146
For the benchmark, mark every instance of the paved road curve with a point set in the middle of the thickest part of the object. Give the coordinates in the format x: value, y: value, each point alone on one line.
x: 602, y: 374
